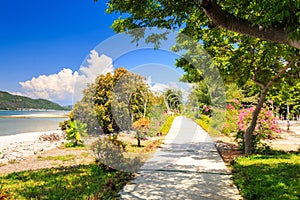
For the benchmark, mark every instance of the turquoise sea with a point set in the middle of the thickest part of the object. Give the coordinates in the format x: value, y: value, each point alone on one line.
x: 32, y: 123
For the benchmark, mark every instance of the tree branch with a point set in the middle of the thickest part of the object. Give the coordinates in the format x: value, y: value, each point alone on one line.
x: 257, y: 82
x: 287, y: 66
x: 228, y: 21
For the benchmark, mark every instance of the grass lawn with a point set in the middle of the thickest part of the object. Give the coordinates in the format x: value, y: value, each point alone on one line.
x: 79, y: 182
x: 268, y: 176
x: 73, y: 182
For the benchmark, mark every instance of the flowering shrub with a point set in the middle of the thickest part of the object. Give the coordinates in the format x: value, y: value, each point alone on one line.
x: 266, y: 126
x: 206, y: 110
x: 238, y: 120
x: 231, y: 118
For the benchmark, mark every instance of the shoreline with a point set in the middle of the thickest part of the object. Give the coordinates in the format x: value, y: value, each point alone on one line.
x: 36, y: 116
x: 14, y: 148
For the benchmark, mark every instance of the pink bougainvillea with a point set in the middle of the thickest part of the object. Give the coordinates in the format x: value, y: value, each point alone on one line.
x: 238, y: 119
x: 267, y: 123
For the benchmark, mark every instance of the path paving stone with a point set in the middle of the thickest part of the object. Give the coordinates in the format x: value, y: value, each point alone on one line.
x: 187, y: 166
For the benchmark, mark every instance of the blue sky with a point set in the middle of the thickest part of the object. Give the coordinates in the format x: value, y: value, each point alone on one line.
x: 41, y: 39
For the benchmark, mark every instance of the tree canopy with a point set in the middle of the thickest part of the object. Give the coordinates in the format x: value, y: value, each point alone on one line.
x: 113, y: 102
x: 277, y: 21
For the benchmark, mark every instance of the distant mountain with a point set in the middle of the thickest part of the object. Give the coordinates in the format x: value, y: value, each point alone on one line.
x: 16, y: 102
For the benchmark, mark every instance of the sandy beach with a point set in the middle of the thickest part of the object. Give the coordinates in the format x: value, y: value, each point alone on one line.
x: 17, y: 147
x: 66, y: 115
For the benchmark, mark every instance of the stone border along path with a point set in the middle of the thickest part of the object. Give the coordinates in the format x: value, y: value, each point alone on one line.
x: 187, y: 167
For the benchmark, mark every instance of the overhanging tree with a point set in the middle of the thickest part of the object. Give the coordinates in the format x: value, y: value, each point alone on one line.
x: 212, y: 22
x: 277, y: 21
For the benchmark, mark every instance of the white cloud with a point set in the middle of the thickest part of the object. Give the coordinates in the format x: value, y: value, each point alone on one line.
x: 60, y: 87
x: 156, y: 87
x: 96, y: 65
x: 53, y: 87
x: 159, y: 87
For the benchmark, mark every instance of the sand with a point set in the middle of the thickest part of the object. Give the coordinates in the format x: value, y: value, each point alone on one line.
x: 17, y: 147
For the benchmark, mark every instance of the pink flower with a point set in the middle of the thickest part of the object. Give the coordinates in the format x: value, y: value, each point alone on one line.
x: 271, y: 102
x: 236, y: 101
x: 230, y: 107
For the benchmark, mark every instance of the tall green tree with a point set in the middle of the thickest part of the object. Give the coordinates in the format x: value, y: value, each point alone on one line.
x: 131, y: 100
x: 286, y: 96
x: 113, y: 102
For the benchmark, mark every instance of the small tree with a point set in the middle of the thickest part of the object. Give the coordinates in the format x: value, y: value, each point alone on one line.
x: 75, y: 131
x: 140, y: 126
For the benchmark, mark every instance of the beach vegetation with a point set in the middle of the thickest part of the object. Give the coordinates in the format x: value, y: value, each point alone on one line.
x: 75, y: 132
x: 13, y: 161
x: 97, y: 180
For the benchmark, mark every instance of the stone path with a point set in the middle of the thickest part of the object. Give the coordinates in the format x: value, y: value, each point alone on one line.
x: 188, y: 166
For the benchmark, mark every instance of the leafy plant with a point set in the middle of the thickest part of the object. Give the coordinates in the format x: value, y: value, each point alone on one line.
x: 76, y: 131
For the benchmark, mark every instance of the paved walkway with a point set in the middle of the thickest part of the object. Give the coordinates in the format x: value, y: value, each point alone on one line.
x: 187, y: 167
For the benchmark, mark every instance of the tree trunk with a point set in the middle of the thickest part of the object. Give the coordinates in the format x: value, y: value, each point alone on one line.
x: 265, y: 89
x: 251, y: 128
x: 139, y: 138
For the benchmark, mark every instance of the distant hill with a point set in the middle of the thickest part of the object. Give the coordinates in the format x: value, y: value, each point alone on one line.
x: 15, y: 102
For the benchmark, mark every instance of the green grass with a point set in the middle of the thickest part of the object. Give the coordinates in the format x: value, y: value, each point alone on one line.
x: 268, y: 176
x: 204, y: 122
x: 63, y: 158
x: 80, y: 182
x: 148, y: 146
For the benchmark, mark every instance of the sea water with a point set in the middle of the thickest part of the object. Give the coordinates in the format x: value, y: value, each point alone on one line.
x: 11, y: 126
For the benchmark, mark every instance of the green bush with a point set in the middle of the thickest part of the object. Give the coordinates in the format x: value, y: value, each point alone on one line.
x: 203, y: 121
x: 167, y: 125
x: 111, y: 156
